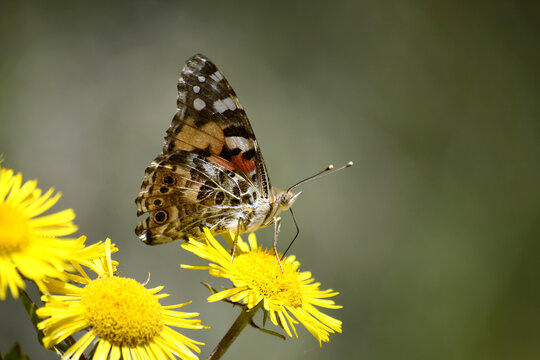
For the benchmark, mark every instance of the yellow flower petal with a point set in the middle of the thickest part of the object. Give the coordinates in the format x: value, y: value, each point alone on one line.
x: 290, y: 297
x: 124, y: 318
x: 28, y: 243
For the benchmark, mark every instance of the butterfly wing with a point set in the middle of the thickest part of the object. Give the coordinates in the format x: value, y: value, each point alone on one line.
x: 211, y: 121
x: 210, y: 164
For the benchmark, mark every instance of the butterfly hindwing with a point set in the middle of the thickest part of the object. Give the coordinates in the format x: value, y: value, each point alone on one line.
x: 183, y: 192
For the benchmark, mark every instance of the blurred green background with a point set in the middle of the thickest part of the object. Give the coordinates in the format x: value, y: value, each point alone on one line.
x: 432, y: 238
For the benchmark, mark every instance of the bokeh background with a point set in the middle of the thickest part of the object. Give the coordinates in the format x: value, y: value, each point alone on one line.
x: 432, y: 238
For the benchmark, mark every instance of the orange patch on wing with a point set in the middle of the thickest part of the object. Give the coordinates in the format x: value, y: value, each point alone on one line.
x: 221, y: 161
x: 237, y: 163
x: 246, y: 166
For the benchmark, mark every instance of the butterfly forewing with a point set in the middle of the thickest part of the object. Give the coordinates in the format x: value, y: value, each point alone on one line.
x: 210, y: 166
x: 211, y: 121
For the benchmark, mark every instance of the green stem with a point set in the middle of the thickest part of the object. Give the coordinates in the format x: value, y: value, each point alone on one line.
x: 30, y: 308
x: 243, y: 319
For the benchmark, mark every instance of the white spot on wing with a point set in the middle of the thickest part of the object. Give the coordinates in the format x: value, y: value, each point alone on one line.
x: 196, y: 89
x: 216, y: 76
x: 237, y: 142
x: 201, y: 79
x: 229, y: 103
x: 198, y: 104
x: 220, y: 106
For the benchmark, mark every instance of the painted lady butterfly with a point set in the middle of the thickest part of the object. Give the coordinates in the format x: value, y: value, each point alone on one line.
x: 211, y: 172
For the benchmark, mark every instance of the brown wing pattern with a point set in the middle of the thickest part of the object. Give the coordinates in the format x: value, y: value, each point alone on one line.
x: 183, y: 192
x: 210, y: 163
x: 211, y: 121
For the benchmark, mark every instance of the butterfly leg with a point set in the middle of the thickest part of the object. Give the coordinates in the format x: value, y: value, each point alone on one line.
x: 277, y: 227
x: 240, y: 223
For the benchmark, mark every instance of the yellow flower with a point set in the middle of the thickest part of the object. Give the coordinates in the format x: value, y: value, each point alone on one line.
x: 289, y: 297
x: 83, y: 256
x: 123, y: 317
x: 28, y: 244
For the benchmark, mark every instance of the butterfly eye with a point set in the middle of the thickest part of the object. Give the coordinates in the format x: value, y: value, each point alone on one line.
x: 161, y: 216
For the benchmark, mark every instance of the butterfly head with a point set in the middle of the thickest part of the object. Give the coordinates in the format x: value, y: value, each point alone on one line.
x: 284, y: 199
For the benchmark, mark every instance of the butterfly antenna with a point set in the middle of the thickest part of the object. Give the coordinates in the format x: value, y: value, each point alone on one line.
x: 329, y: 170
x: 295, y: 236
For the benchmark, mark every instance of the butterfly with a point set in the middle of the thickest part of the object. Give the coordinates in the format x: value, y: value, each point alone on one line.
x: 211, y: 171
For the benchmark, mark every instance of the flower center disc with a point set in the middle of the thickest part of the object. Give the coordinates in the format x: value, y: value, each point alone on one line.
x: 14, y: 230
x: 122, y: 311
x: 261, y: 271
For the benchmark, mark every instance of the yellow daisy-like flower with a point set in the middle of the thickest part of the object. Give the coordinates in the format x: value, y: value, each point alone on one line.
x: 29, y: 246
x: 85, y: 255
x: 256, y: 277
x: 123, y: 317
